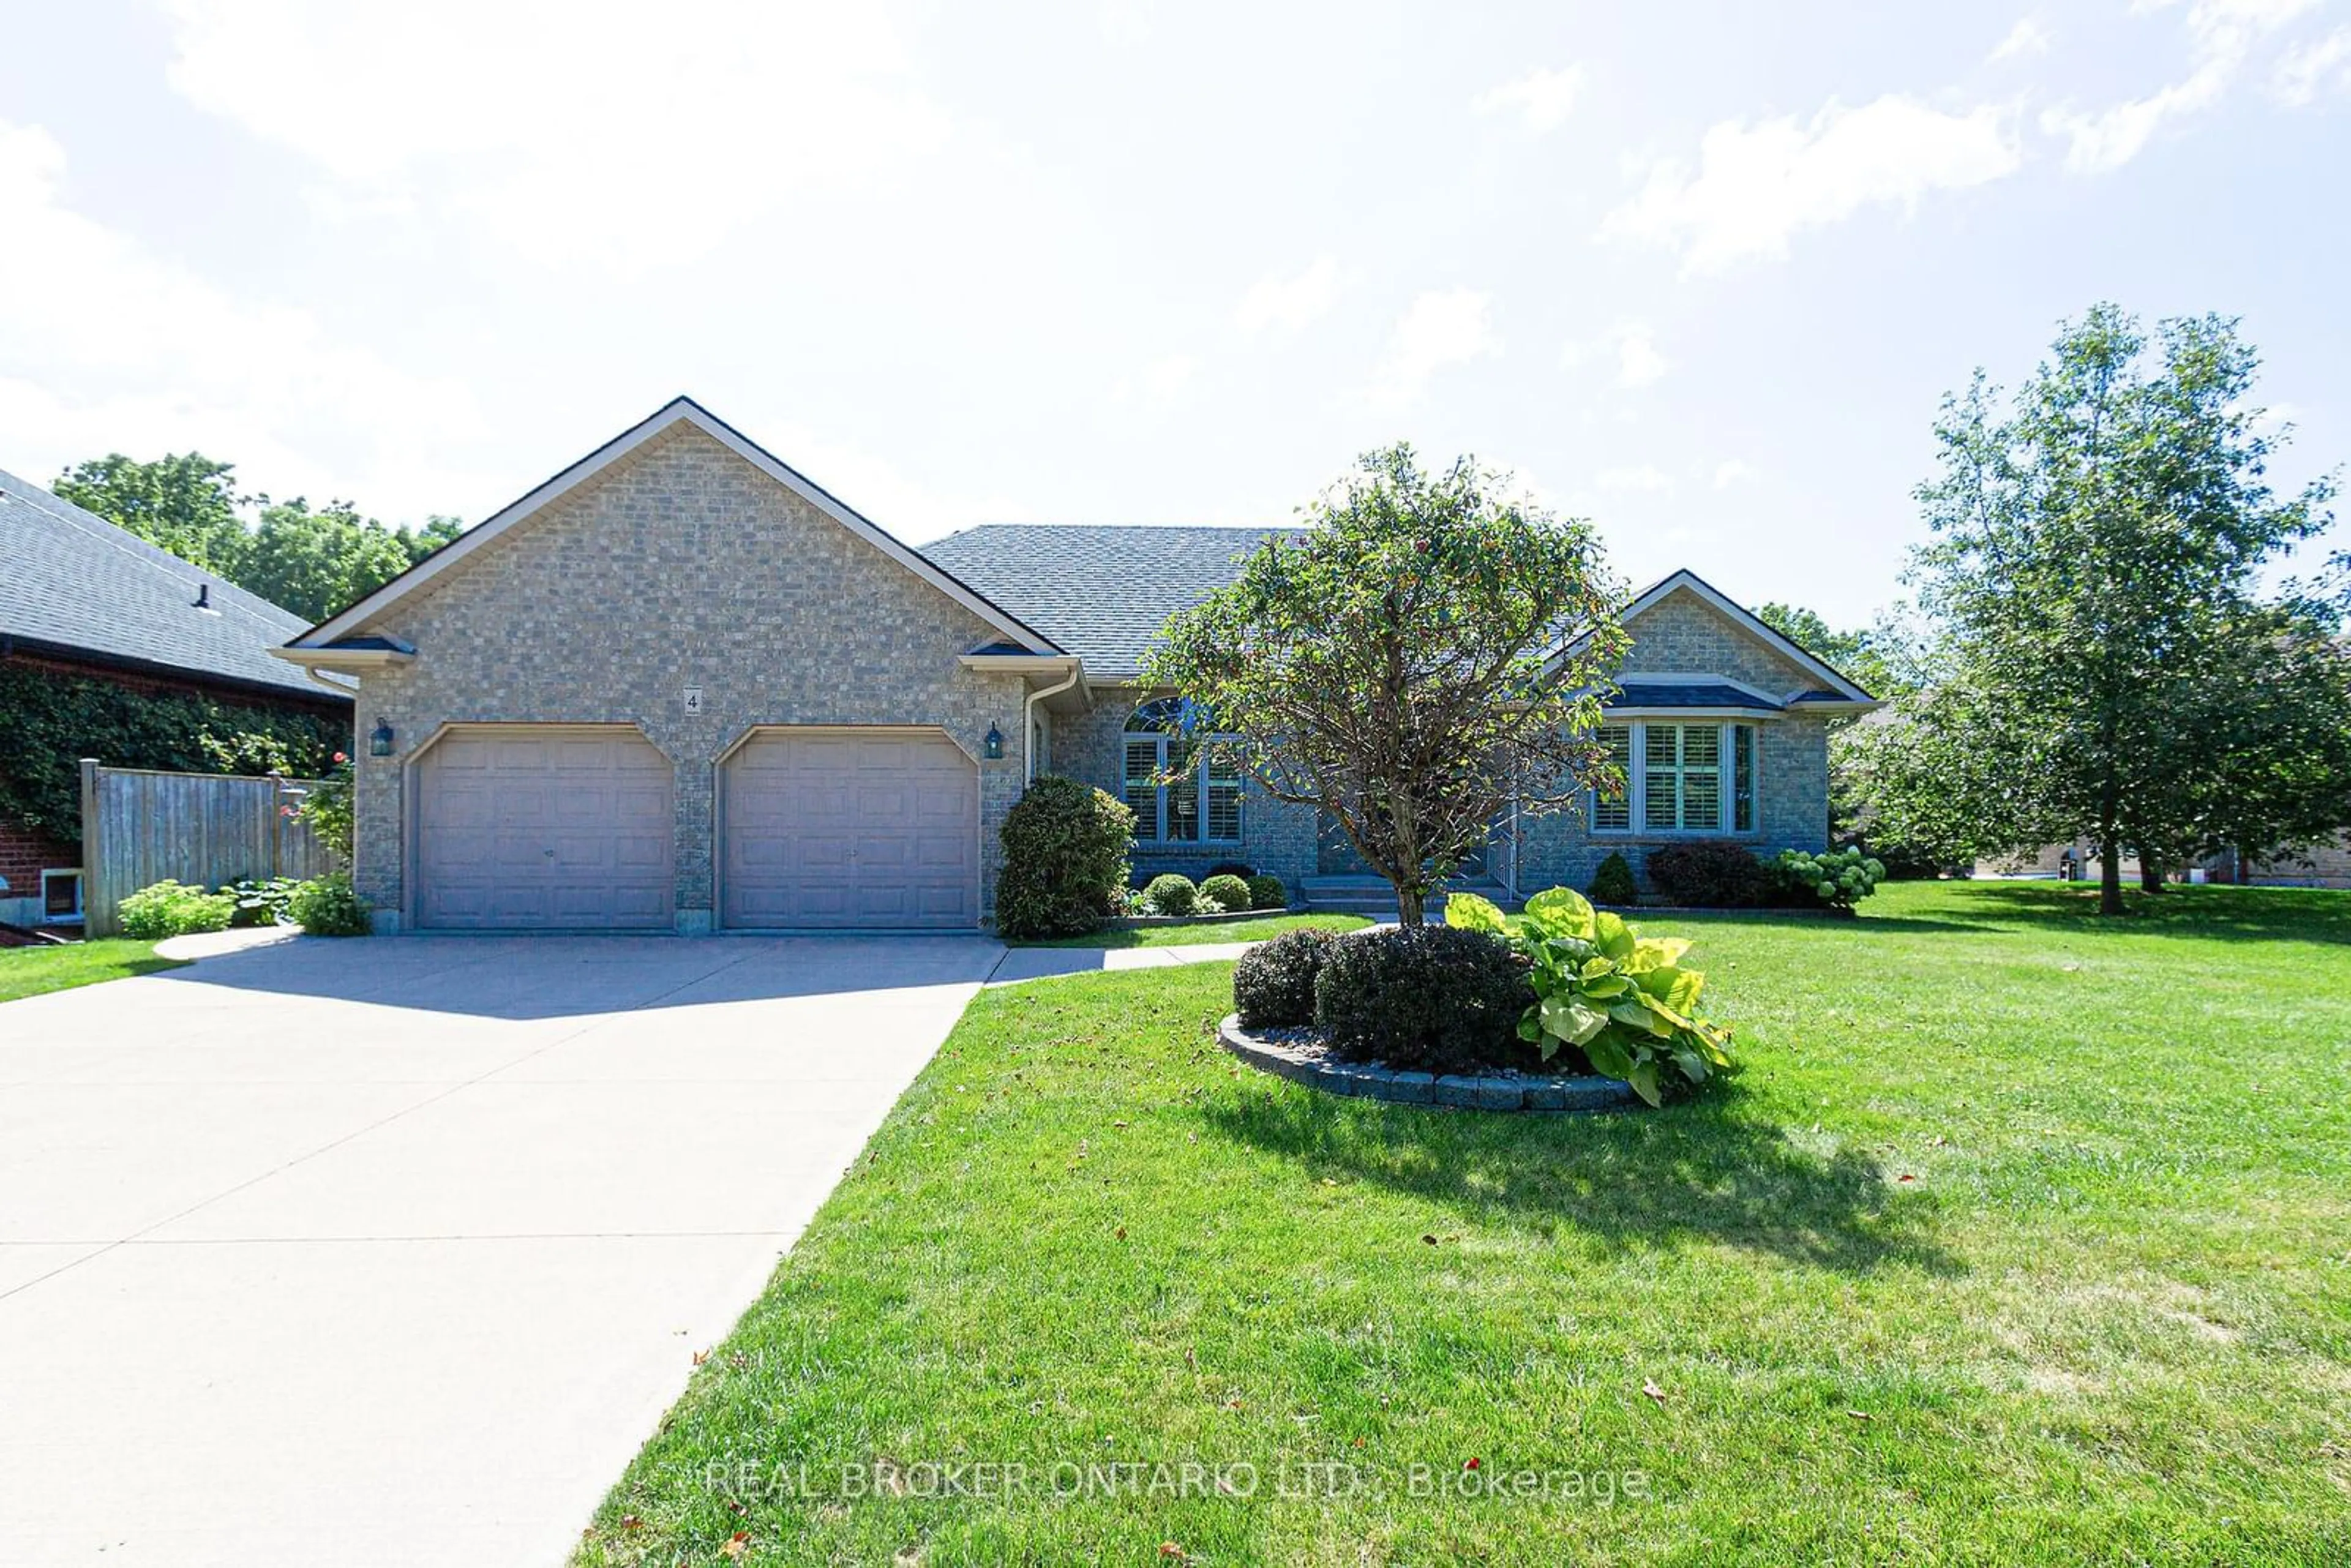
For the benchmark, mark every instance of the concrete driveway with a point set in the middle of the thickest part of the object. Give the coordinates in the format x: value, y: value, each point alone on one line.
x: 394, y: 1251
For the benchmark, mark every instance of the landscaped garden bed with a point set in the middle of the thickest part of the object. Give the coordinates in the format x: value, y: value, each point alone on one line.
x: 1304, y: 1056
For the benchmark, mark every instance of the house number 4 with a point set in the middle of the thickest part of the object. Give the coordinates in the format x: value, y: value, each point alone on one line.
x: 693, y: 699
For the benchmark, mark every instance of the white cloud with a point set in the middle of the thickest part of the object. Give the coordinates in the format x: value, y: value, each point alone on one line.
x: 1159, y: 383
x: 1642, y: 479
x: 905, y: 504
x: 2303, y: 73
x: 570, y: 130
x: 1443, y: 326
x: 1638, y: 363
x: 1735, y: 472
x: 1540, y: 100
x: 1290, y: 303
x: 2027, y: 38
x: 1755, y: 186
x: 2222, y: 35
x: 127, y: 352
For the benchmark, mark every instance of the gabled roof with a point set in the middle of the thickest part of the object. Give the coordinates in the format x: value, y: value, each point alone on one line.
x: 1836, y: 687
x: 681, y: 411
x: 1102, y: 592
x: 72, y: 582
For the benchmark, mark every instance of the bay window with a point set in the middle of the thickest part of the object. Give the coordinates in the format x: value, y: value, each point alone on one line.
x: 1182, y: 785
x: 1679, y: 779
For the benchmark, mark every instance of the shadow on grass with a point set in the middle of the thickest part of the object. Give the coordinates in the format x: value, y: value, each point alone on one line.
x: 2253, y: 914
x: 1699, y: 1170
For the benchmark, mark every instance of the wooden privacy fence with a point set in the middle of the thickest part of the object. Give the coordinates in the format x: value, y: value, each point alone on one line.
x: 205, y: 829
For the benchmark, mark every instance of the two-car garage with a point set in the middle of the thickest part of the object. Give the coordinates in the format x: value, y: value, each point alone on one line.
x: 521, y: 826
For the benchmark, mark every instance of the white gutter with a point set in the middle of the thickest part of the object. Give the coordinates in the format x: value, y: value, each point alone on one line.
x: 1029, y: 718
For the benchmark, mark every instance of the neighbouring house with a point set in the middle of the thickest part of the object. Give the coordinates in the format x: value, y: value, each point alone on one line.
x: 82, y: 601
x: 680, y: 686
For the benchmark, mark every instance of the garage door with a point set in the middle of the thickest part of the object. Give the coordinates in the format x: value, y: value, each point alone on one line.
x: 851, y: 828
x: 548, y: 829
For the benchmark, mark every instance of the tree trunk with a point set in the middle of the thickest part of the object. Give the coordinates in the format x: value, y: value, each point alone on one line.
x: 1409, y: 903
x: 2110, y: 869
x: 2150, y: 875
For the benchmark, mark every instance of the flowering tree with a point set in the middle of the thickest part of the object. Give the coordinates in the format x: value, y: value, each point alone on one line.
x: 1432, y: 650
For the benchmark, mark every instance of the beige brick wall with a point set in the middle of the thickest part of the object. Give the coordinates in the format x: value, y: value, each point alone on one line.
x: 1683, y: 634
x: 682, y: 565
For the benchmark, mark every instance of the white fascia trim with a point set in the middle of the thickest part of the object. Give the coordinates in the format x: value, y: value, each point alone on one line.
x: 1025, y: 663
x: 1740, y: 714
x: 680, y: 410
x: 354, y: 659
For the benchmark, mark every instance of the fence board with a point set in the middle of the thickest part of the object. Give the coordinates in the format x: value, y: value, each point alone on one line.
x: 205, y: 829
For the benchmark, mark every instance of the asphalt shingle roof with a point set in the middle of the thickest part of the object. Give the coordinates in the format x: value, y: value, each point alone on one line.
x: 71, y: 580
x: 1689, y: 694
x: 1101, y: 592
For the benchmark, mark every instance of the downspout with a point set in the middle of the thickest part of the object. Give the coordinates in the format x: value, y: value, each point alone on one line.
x: 338, y: 688
x: 1029, y: 718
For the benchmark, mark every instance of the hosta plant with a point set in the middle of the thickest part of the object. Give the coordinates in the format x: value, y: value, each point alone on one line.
x: 1622, y: 999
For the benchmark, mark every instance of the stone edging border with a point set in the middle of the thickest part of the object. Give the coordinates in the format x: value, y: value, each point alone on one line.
x: 1489, y: 1092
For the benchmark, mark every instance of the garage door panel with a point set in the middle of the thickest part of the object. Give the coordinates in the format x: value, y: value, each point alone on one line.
x: 565, y: 830
x: 839, y: 828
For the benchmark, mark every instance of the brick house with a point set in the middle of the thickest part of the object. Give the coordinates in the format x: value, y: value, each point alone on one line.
x: 83, y: 598
x: 679, y: 687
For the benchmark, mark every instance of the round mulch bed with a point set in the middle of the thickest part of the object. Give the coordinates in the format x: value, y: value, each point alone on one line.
x: 1299, y: 1055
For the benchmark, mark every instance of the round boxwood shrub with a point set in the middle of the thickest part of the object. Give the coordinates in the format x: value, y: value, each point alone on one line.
x: 1437, y: 998
x: 1709, y: 874
x: 1064, y: 858
x: 1170, y: 894
x: 1267, y: 893
x: 1273, y: 982
x: 1231, y: 892
x: 1614, y: 883
x: 327, y: 906
x: 172, y: 908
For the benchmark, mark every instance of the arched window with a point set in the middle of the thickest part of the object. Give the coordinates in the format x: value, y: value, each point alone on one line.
x: 1181, y: 785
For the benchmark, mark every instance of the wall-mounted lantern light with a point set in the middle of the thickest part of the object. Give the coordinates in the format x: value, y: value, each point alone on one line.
x: 380, y: 739
x: 993, y: 744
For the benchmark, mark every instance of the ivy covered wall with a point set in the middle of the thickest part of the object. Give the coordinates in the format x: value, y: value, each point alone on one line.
x: 53, y: 714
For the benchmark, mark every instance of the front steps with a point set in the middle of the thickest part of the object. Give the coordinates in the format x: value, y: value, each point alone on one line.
x: 1362, y: 895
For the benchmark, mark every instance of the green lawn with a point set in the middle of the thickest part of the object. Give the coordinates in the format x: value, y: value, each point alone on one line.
x: 2022, y: 1239
x: 29, y: 971
x: 1203, y: 932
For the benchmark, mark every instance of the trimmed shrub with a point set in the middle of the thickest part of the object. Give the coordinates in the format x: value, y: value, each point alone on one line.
x: 171, y: 908
x: 1709, y: 874
x: 1171, y: 895
x: 1833, y: 880
x: 1267, y: 893
x: 1273, y: 982
x: 1436, y: 998
x: 327, y: 906
x: 1614, y: 883
x: 1065, y: 848
x: 1229, y: 868
x: 1231, y: 892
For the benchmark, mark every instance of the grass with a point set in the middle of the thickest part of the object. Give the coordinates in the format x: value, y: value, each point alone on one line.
x: 29, y: 971
x: 1203, y: 931
x: 2022, y: 1238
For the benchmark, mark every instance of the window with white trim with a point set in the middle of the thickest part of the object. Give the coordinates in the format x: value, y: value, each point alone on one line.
x: 1679, y: 779
x: 1182, y: 785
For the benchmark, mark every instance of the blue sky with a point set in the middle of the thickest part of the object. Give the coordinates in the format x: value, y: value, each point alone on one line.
x: 1697, y: 273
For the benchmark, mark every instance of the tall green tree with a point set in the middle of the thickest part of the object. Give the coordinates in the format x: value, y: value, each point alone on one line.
x: 1431, y: 650
x: 2098, y: 537
x: 1887, y: 658
x: 312, y: 562
x: 184, y: 503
